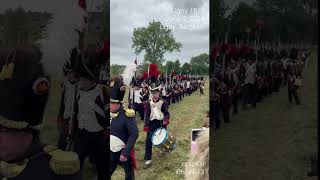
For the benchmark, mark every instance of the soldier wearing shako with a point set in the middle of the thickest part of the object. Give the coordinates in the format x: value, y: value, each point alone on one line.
x: 24, y: 91
x: 233, y: 76
x: 123, y: 131
x: 67, y: 103
x: 156, y: 116
x: 91, y: 113
x: 137, y: 98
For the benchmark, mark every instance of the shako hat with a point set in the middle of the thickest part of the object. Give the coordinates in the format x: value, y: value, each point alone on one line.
x: 117, y: 90
x: 24, y: 88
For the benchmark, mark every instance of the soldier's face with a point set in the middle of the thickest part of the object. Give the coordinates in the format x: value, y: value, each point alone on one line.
x: 13, y: 144
x: 114, y: 107
x: 155, y: 94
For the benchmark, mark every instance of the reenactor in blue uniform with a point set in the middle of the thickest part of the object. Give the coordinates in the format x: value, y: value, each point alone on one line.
x: 123, y: 131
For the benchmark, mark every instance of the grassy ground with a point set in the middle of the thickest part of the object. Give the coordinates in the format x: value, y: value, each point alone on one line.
x: 185, y: 115
x: 272, y: 142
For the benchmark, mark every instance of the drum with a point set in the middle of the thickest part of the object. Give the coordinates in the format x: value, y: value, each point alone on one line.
x: 163, y: 140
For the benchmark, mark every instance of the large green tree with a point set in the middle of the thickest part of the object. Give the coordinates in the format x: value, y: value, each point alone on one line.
x: 116, y: 70
x: 177, y: 66
x: 155, y: 41
x: 169, y: 66
x: 200, y: 64
x: 291, y: 21
x: 185, y: 68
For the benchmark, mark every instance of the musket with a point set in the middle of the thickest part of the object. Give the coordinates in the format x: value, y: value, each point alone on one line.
x: 72, y: 122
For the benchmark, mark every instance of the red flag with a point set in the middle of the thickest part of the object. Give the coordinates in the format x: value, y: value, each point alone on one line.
x: 82, y: 4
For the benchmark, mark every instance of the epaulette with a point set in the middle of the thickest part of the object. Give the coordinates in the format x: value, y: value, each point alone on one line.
x: 130, y: 112
x: 63, y: 162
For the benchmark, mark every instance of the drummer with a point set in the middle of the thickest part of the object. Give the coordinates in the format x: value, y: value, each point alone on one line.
x: 156, y: 116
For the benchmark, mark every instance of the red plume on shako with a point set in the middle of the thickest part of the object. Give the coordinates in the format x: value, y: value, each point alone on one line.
x: 145, y: 75
x: 153, y: 74
x: 153, y: 70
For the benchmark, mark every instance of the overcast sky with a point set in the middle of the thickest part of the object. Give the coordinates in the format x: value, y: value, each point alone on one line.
x: 126, y: 15
x: 52, y: 6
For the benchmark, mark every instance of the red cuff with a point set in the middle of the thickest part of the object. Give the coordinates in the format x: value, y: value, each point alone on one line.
x: 166, y: 122
x: 146, y: 129
x: 133, y: 159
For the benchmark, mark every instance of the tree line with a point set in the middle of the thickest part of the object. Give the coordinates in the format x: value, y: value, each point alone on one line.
x: 288, y: 21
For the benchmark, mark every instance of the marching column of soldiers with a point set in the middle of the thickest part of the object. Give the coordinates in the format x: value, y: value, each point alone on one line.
x: 247, y: 75
x: 173, y: 90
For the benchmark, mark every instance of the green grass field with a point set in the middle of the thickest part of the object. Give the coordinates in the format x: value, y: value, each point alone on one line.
x: 185, y: 116
x: 272, y: 142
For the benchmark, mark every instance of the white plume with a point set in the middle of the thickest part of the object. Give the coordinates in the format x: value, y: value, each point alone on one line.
x: 61, y: 37
x: 128, y: 73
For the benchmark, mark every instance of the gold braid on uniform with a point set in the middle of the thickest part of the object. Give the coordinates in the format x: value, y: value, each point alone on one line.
x: 17, y: 124
x: 63, y: 162
x: 113, y: 115
x: 129, y: 112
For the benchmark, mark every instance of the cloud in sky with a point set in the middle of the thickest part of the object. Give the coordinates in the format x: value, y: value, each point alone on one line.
x: 127, y: 15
